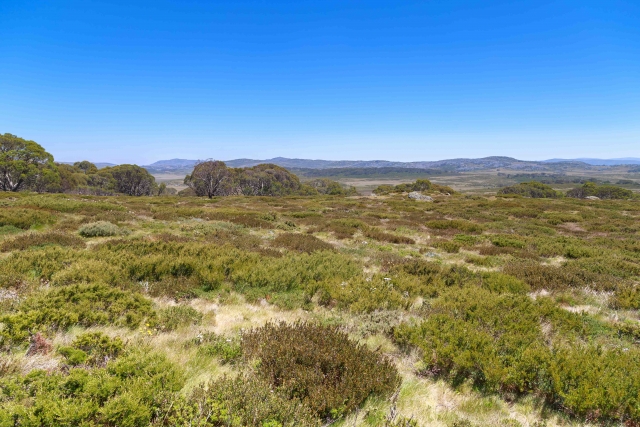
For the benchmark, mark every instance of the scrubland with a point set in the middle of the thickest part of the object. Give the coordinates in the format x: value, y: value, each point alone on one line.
x: 322, y: 310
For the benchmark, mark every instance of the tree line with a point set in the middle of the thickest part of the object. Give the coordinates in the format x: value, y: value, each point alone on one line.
x: 26, y: 166
x: 214, y: 178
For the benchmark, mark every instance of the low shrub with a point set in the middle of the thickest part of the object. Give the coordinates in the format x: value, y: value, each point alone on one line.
x: 23, y: 218
x: 9, y: 229
x: 530, y: 189
x: 318, y: 365
x: 626, y: 298
x: 245, y: 401
x: 503, y: 241
x: 343, y: 229
x: 455, y: 224
x: 226, y: 349
x: 84, y: 305
x: 381, y: 236
x: 600, y: 191
x: 503, y: 283
x: 172, y: 318
x: 129, y: 391
x: 92, y: 348
x: 448, y: 246
x: 99, y: 229
x: 301, y: 243
x: 26, y: 241
x: 552, y: 278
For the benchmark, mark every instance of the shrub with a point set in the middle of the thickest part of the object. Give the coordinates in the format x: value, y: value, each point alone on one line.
x: 25, y: 241
x: 129, y: 392
x: 448, y: 246
x: 456, y: 224
x: 24, y: 218
x: 85, y: 305
x: 503, y: 283
x: 503, y: 241
x: 381, y: 236
x: 99, y: 229
x: 9, y: 229
x: 301, y: 243
x: 319, y: 366
x: 600, y: 191
x: 422, y: 185
x: 530, y: 189
x: 172, y: 318
x: 94, y: 348
x: 242, y: 401
x: 553, y: 278
x: 226, y: 349
x: 493, y: 340
x: 626, y: 298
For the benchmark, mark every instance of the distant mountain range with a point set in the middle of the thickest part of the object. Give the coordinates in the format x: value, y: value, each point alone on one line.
x: 601, y: 162
x: 449, y: 165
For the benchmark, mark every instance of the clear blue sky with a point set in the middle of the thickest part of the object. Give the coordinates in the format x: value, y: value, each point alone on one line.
x: 139, y: 81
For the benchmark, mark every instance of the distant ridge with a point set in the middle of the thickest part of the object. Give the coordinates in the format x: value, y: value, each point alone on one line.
x: 447, y: 165
x: 600, y: 162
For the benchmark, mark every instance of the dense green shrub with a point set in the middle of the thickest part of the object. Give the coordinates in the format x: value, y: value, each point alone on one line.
x: 457, y: 224
x: 319, y: 365
x: 382, y: 236
x: 92, y: 348
x: 25, y: 241
x: 626, y: 298
x: 552, y: 278
x: 132, y: 390
x: 532, y: 189
x: 85, y: 305
x: 448, y: 246
x: 174, y: 317
x: 422, y: 185
x: 600, y: 191
x: 8, y: 230
x: 24, y: 218
x: 330, y: 187
x: 244, y: 401
x: 226, y: 349
x: 99, y: 229
x: 301, y: 242
x: 512, y: 344
x: 503, y: 241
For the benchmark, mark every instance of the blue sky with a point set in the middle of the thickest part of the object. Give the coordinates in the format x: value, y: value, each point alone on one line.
x: 139, y: 81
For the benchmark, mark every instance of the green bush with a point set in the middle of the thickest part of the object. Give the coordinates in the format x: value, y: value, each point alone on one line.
x: 319, y: 366
x: 301, y: 243
x: 172, y: 318
x: 226, y: 349
x: 9, y: 229
x: 448, y: 246
x: 99, y: 229
x: 84, y: 305
x: 626, y: 298
x: 24, y: 218
x: 503, y: 241
x: 381, y: 236
x: 93, y: 348
x: 245, y: 401
x: 511, y: 344
x: 455, y: 224
x: 130, y: 391
x: 600, y: 191
x: 552, y: 278
x: 26, y: 241
x: 530, y: 189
